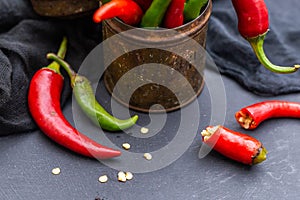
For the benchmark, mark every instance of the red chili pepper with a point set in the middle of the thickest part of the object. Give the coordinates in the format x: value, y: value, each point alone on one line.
x: 44, y: 105
x: 253, y: 25
x: 251, y: 116
x: 234, y: 145
x: 253, y: 17
x: 127, y: 10
x: 174, y: 15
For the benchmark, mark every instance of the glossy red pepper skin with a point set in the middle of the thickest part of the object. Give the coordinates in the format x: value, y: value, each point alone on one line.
x: 126, y: 10
x: 44, y: 105
x: 174, y: 15
x: 234, y: 145
x: 253, y: 18
x: 251, y: 116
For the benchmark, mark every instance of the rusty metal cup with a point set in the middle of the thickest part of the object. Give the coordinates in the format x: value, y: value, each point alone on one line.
x: 64, y: 8
x: 141, y: 49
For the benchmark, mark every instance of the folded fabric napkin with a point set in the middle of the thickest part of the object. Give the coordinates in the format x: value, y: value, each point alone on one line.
x: 26, y: 38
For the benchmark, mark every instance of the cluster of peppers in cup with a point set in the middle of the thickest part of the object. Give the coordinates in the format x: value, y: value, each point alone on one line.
x: 46, y: 85
x: 151, y: 13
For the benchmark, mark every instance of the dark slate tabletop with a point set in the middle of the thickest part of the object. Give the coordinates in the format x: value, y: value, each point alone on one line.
x: 28, y: 159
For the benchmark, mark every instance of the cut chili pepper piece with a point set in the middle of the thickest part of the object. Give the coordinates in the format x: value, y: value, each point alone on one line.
x: 127, y: 10
x: 253, y: 25
x: 251, y: 116
x: 234, y: 145
x: 44, y: 105
x: 174, y: 15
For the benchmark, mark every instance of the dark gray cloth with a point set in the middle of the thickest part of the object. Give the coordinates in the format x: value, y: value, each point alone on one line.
x: 25, y: 39
x: 235, y: 58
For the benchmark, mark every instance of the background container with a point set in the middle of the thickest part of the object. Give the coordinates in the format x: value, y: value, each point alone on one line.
x: 64, y: 8
x: 147, y: 71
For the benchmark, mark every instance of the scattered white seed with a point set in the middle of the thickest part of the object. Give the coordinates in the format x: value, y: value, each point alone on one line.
x: 144, y: 130
x: 121, y: 173
x: 128, y: 175
x: 121, y: 176
x: 147, y: 156
x: 103, y: 179
x: 56, y: 171
x: 126, y: 146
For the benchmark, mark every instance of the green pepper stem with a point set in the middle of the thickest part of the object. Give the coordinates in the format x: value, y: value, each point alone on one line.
x: 61, y: 53
x: 84, y: 95
x: 72, y: 74
x: 257, y: 46
x: 261, y: 156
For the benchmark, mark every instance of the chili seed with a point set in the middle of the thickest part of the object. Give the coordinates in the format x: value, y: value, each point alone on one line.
x: 147, y: 156
x: 103, y: 179
x: 247, y: 123
x: 121, y: 176
x: 144, y: 130
x: 129, y: 175
x: 56, y: 171
x: 126, y: 146
x: 205, y: 133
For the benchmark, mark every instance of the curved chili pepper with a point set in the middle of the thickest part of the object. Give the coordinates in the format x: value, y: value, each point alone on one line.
x: 253, y: 25
x: 44, y: 105
x: 251, y: 116
x: 193, y: 8
x: 84, y: 96
x: 234, y: 145
x: 127, y: 10
x: 153, y: 17
x: 174, y: 15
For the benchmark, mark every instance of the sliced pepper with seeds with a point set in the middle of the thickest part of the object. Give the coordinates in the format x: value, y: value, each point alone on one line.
x: 234, y: 145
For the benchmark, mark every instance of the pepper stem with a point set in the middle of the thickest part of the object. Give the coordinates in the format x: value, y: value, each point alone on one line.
x: 72, y: 74
x: 261, y: 156
x: 61, y: 53
x: 257, y: 46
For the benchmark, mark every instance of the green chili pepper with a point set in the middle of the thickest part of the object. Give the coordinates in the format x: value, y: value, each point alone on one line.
x: 85, y: 98
x: 155, y: 13
x: 192, y: 9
